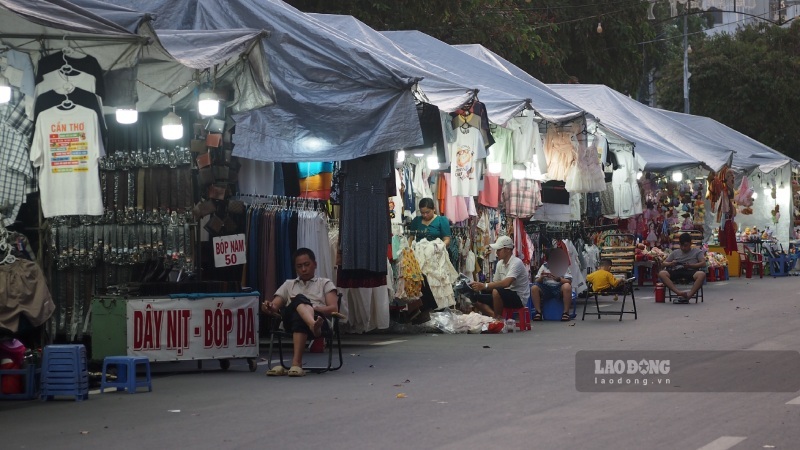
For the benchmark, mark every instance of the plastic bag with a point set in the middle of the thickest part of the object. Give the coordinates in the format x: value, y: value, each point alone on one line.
x: 444, y: 321
x: 745, y: 196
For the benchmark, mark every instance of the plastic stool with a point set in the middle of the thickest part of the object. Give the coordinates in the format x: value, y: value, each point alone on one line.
x: 523, y: 317
x: 64, y: 372
x: 126, y: 373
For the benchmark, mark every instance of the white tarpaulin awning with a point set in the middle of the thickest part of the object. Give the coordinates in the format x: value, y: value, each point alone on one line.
x: 661, y: 142
x: 485, y: 77
x: 750, y: 154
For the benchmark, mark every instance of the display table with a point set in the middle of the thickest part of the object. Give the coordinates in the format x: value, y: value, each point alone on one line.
x: 177, y: 328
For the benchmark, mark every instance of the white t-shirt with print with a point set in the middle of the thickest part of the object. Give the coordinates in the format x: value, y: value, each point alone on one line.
x: 464, y: 155
x: 66, y: 148
x: 516, y: 269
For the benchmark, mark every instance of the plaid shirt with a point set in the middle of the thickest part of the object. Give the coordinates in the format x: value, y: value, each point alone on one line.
x: 15, y: 133
x: 521, y: 198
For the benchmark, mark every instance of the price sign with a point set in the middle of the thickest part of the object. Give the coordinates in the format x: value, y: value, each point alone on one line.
x: 229, y: 250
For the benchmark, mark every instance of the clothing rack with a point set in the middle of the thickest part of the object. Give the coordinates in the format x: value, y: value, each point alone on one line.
x: 285, y: 202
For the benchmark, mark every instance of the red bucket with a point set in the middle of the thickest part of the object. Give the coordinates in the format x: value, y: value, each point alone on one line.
x: 660, y: 293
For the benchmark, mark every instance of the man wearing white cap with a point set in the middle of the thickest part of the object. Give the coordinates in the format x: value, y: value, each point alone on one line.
x: 510, y: 285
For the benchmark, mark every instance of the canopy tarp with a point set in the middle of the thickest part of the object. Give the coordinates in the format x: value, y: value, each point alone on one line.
x: 663, y: 143
x: 486, y: 77
x: 127, y: 48
x: 437, y: 86
x: 750, y: 154
x: 28, y: 25
x: 335, y: 98
x: 620, y: 115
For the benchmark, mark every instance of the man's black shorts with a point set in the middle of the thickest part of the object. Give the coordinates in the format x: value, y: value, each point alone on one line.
x: 293, y: 323
x: 510, y: 299
x: 682, y: 274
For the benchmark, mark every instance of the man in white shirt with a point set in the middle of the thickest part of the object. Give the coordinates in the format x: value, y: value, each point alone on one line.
x: 510, y: 285
x: 552, y: 281
x: 302, y: 302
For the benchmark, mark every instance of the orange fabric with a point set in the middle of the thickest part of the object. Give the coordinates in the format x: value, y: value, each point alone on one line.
x: 441, y: 193
x: 316, y: 186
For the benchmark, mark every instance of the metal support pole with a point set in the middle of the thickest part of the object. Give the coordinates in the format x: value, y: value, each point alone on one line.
x: 685, y: 63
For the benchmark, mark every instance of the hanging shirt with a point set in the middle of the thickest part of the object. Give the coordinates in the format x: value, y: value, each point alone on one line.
x: 527, y: 142
x: 463, y: 162
x: 79, y: 62
x: 55, y: 81
x: 502, y: 152
x: 66, y: 148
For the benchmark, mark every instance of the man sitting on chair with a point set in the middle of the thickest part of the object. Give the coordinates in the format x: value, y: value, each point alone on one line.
x: 552, y: 281
x: 684, y: 263
x: 302, y: 303
x: 510, y: 283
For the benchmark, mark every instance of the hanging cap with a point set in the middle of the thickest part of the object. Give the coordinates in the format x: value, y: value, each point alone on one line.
x: 502, y: 242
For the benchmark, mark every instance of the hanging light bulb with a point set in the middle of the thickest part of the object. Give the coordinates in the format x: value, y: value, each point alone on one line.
x: 494, y: 167
x: 755, y: 195
x: 433, y: 162
x: 689, y: 49
x: 208, y: 104
x: 677, y: 176
x: 127, y: 116
x: 599, y: 28
x: 171, y: 126
x: 5, y: 90
x: 519, y: 172
x: 401, y: 156
x: 639, y: 175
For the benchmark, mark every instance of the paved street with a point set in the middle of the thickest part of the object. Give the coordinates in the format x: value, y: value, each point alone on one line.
x: 461, y: 391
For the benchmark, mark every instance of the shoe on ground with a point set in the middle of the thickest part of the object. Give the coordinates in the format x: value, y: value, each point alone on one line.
x: 277, y: 371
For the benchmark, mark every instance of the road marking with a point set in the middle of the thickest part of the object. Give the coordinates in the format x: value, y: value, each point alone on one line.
x: 722, y: 443
x: 95, y: 391
x: 794, y: 401
x: 395, y: 341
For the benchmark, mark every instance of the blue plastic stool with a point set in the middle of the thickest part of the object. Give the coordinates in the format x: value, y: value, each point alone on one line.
x: 64, y: 372
x: 126, y: 373
x: 553, y: 307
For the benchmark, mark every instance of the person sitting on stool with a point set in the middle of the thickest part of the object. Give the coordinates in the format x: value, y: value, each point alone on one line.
x: 510, y: 285
x: 684, y: 263
x: 553, y: 280
x: 302, y: 303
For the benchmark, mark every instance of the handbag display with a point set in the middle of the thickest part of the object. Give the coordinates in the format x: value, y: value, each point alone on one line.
x: 203, y: 160
x: 205, y: 176
x: 203, y: 209
x: 213, y: 140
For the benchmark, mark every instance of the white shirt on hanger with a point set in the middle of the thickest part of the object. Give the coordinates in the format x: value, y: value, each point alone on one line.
x: 66, y: 148
x: 464, y: 155
x: 55, y: 81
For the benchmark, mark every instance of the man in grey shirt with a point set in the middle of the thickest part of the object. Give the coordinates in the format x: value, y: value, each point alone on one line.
x: 684, y: 263
x: 510, y: 287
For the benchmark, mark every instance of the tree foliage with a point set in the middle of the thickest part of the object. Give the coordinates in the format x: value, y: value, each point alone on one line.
x: 748, y: 81
x: 556, y: 41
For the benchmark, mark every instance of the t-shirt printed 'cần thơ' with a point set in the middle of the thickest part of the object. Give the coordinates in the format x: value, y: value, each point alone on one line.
x: 66, y: 147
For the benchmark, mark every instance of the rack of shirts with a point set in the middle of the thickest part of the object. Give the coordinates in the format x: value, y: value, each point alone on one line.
x: 69, y: 133
x: 275, y: 227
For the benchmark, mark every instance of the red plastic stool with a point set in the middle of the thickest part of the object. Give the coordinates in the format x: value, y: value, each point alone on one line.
x: 523, y: 317
x: 712, y: 274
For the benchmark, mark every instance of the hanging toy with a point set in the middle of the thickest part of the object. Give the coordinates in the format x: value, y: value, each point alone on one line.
x: 776, y: 213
